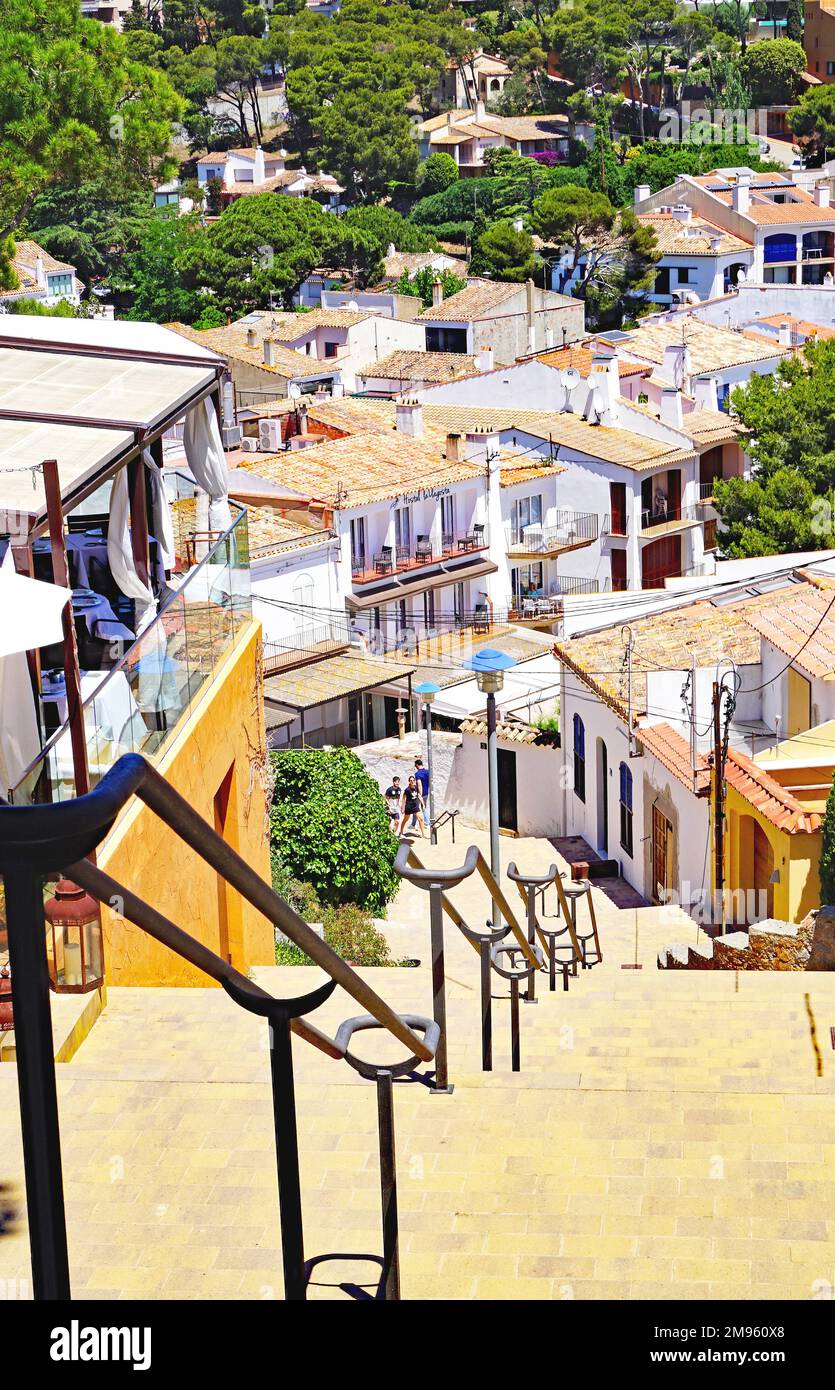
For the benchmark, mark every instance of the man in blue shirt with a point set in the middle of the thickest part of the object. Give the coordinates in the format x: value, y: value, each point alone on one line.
x: 422, y: 775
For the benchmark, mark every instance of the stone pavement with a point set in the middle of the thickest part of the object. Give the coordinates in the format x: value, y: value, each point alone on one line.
x: 669, y: 1135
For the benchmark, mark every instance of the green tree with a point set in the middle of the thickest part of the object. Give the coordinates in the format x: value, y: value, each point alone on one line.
x: 260, y: 249
x: 158, y: 276
x: 72, y: 104
x: 812, y: 121
x: 827, y: 860
x: 93, y: 224
x: 436, y: 173
x: 771, y: 70
x: 346, y: 857
x: 366, y: 141
x: 794, y: 20
x: 787, y: 503
x: 509, y: 252
x: 605, y: 252
x: 421, y: 284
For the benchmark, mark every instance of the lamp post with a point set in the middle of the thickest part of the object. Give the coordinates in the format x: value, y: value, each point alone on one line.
x: 427, y: 691
x: 489, y: 666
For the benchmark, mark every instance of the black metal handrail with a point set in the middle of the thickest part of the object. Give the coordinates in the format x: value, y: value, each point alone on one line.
x: 40, y: 840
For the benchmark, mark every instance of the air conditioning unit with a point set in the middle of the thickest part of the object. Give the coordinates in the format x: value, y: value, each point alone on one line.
x: 269, y: 436
x: 249, y: 445
x: 231, y: 435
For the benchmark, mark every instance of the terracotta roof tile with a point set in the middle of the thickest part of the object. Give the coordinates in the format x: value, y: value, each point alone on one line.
x: 711, y: 348
x: 802, y: 626
x: 673, y: 751
x: 472, y: 302
x: 422, y: 366
x: 513, y: 731
x: 776, y: 803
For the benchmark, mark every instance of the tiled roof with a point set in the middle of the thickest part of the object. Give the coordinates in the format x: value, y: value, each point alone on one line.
x: 804, y: 326
x: 802, y: 626
x: 291, y: 327
x: 761, y: 209
x: 472, y: 302
x: 703, y: 631
x: 231, y: 342
x: 413, y: 261
x: 581, y: 358
x: 331, y: 679
x: 27, y: 252
x: 571, y: 431
x: 269, y: 532
x: 364, y: 468
x: 512, y: 731
x: 776, y: 803
x: 712, y: 349
x: 423, y: 366
x: 678, y: 238
x: 673, y: 751
x: 513, y: 469
x: 713, y: 427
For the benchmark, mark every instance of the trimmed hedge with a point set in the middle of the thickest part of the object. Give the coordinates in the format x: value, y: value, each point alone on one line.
x: 329, y: 826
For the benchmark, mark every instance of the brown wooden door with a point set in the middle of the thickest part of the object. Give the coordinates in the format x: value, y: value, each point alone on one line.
x: 617, y: 502
x: 662, y: 833
x: 763, y: 867
x: 618, y: 570
x: 660, y: 560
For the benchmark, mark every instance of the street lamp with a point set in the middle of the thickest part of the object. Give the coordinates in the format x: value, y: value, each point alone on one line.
x: 489, y: 666
x: 427, y: 691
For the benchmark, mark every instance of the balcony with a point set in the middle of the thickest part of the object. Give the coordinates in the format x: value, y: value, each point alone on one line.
x: 573, y: 531
x: 425, y: 550
x: 138, y: 704
x: 614, y: 527
x: 672, y: 520
x: 302, y: 648
x: 706, y: 491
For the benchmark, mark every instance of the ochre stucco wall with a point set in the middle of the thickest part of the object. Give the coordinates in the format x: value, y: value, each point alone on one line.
x: 795, y: 856
x: 224, y: 730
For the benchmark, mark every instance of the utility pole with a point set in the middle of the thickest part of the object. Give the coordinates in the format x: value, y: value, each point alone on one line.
x: 629, y: 641
x: 718, y: 806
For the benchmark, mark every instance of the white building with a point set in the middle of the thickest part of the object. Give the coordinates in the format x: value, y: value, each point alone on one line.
x: 479, y: 77
x: 511, y: 319
x: 467, y: 134
x: 251, y: 170
x: 41, y: 277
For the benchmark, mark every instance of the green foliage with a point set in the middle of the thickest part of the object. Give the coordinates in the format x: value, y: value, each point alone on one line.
x: 420, y: 285
x: 436, y: 173
x: 827, y: 859
x: 228, y: 258
x: 61, y: 310
x: 608, y: 252
x: 812, y: 120
x: 366, y: 142
x: 771, y: 70
x: 659, y: 164
x: 794, y: 20
x: 330, y: 825
x: 361, y: 239
x: 93, y: 224
x: 510, y: 194
x: 787, y: 504
x: 508, y: 252
x: 354, y: 937
x: 73, y: 105
x: 157, y: 274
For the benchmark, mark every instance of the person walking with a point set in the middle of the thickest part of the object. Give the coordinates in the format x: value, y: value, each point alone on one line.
x: 412, y: 805
x: 394, y: 796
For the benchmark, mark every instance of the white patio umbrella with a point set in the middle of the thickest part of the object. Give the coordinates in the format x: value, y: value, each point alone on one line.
x: 30, y: 616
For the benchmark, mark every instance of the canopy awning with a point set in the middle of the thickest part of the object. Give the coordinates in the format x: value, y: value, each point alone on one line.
x: 330, y: 679
x: 396, y: 587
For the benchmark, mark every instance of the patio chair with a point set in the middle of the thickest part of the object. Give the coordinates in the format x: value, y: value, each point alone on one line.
x: 481, y: 618
x: 383, y: 561
x: 423, y: 548
x: 473, y: 538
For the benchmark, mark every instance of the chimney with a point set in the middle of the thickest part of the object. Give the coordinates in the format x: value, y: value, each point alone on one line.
x: 269, y: 352
x: 480, y: 111
x: 549, y: 337
x: 228, y: 172
x: 482, y: 445
x: 706, y: 393
x: 715, y: 243
x: 604, y: 380
x: 454, y: 452
x: 531, y: 292
x: 485, y: 358
x: 450, y: 119
x: 259, y: 172
x: 742, y: 193
x: 518, y: 224
x: 821, y: 195
x: 437, y: 294
x: 40, y: 273
x: 784, y: 335
x: 392, y: 250
x: 682, y: 213
x: 676, y: 366
x: 301, y: 416
x: 642, y: 192
x: 409, y: 418
x: 251, y: 338
x: 671, y: 411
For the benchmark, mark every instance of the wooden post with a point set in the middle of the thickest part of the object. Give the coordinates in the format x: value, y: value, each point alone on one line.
x: 72, y: 675
x: 139, y: 518
x: 157, y: 455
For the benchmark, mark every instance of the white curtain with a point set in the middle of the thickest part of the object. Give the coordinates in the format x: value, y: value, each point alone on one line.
x: 20, y: 742
x: 120, y: 555
x: 204, y: 451
x: 161, y: 508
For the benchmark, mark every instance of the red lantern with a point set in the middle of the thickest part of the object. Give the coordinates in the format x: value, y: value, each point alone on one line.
x: 6, y: 1012
x: 74, y: 940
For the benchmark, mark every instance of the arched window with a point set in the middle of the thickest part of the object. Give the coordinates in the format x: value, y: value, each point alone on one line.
x: 626, y: 808
x: 579, y: 758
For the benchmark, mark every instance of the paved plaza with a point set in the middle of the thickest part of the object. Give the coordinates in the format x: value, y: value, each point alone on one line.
x: 670, y: 1135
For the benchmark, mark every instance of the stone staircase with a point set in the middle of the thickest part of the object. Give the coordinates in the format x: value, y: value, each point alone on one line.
x: 767, y: 945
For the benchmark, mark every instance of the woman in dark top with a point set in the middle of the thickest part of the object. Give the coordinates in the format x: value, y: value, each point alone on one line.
x: 412, y: 805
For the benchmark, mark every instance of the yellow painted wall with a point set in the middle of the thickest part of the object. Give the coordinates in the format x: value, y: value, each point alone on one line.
x: 224, y: 728
x: 796, y: 857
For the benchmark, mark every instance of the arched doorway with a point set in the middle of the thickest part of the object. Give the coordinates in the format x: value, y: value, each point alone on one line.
x: 756, y: 867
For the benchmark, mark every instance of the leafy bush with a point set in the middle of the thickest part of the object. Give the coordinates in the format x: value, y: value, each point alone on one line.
x: 353, y: 935
x: 506, y: 195
x: 330, y: 826
x: 437, y: 173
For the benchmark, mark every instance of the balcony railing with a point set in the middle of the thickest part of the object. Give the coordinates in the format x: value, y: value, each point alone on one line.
x: 707, y: 489
x: 139, y: 703
x: 571, y: 531
x: 617, y: 526
x: 672, y: 519
x: 321, y: 639
x: 368, y: 567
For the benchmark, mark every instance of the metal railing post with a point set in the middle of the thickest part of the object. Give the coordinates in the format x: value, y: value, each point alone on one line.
x: 388, y: 1185
x: 486, y: 1007
x: 436, y: 932
x: 36, y: 1084
x: 287, y: 1158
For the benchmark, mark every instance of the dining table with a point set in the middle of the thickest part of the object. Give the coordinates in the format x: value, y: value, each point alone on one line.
x: 88, y: 563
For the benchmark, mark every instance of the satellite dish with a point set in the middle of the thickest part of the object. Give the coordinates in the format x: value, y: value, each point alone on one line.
x: 570, y: 378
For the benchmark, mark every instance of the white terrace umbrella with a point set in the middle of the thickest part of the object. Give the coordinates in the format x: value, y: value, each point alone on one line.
x: 30, y: 616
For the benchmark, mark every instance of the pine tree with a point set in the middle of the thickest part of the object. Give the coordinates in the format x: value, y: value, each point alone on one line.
x: 827, y: 860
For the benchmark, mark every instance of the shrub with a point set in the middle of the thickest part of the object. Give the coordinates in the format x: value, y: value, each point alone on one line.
x: 436, y: 173
x: 354, y: 936
x: 330, y: 826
